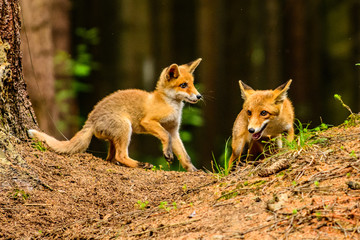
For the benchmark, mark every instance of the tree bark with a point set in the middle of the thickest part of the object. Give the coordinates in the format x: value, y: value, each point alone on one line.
x: 15, y: 108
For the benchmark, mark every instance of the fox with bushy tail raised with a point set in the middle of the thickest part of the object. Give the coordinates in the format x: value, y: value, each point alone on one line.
x: 124, y: 112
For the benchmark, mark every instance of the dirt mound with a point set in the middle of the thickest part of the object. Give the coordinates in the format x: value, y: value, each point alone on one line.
x: 308, y: 193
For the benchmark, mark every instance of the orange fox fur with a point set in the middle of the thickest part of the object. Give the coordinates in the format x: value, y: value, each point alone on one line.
x: 265, y: 114
x: 124, y: 112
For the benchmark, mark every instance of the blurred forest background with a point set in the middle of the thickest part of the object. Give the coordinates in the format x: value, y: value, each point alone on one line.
x: 77, y: 52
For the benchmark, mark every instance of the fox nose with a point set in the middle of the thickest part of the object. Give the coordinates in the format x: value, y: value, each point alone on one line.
x: 251, y: 130
x: 198, y: 96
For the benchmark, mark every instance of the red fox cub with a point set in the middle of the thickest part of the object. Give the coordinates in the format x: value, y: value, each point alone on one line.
x: 124, y: 112
x: 265, y: 114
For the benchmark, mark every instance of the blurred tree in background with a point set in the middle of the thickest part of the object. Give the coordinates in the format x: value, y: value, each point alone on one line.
x: 46, y: 46
x: 263, y: 43
x: 38, y: 66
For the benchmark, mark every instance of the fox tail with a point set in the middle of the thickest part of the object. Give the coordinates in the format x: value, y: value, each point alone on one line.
x: 79, y: 143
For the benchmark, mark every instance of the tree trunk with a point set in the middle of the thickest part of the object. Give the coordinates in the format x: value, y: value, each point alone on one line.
x: 15, y: 108
x: 295, y: 55
x: 273, y: 46
x: 136, y: 58
x: 68, y: 122
x: 210, y: 49
x: 38, y: 61
x: 355, y: 31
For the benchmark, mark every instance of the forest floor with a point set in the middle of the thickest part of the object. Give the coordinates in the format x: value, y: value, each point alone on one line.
x: 311, y: 193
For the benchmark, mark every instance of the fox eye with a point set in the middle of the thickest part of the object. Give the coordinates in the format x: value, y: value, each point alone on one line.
x: 264, y: 113
x: 249, y: 112
x: 183, y: 85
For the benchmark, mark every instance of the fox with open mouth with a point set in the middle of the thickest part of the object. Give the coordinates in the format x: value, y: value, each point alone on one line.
x: 266, y: 114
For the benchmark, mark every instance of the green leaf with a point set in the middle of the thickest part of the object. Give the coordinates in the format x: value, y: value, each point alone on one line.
x: 316, y: 183
x: 81, y: 70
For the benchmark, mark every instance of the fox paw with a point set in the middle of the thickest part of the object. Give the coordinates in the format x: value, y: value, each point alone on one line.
x: 145, y: 165
x: 191, y: 168
x: 169, y: 157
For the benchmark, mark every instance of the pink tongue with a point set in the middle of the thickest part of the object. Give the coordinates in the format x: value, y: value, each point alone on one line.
x: 256, y: 135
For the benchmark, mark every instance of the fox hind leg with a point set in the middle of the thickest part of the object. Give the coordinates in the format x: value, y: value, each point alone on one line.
x: 111, y: 153
x: 119, y: 141
x: 120, y: 147
x: 121, y: 156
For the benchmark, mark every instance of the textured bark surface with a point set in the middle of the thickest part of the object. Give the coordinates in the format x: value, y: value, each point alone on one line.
x: 15, y: 107
x: 16, y: 115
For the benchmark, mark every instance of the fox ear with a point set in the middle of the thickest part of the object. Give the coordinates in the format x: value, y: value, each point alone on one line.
x: 172, y: 72
x: 281, y: 92
x: 193, y: 65
x: 245, y: 90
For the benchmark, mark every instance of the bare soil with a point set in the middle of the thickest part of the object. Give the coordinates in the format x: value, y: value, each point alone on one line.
x: 312, y: 193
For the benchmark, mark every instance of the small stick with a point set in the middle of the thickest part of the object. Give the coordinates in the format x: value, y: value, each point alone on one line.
x: 37, y: 204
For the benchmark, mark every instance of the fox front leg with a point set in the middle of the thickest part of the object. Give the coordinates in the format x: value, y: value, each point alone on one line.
x: 238, y: 144
x: 167, y: 151
x: 154, y: 128
x: 290, y: 135
x: 279, y: 142
x: 181, y: 154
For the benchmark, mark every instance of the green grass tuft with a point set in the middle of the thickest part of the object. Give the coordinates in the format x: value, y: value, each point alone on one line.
x: 141, y: 205
x: 225, y: 157
x: 19, y: 194
x: 38, y: 146
x: 306, y: 137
